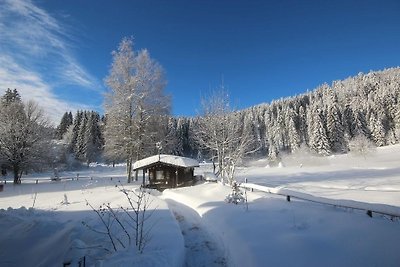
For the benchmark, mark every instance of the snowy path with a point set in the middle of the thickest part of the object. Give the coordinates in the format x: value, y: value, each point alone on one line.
x: 201, y: 248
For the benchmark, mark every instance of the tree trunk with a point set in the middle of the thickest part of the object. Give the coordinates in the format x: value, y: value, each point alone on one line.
x: 129, y: 169
x: 17, y: 177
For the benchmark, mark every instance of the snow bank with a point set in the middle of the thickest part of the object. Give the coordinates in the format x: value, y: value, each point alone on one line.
x: 378, y: 208
x: 52, y: 233
x: 274, y: 232
x: 30, y: 233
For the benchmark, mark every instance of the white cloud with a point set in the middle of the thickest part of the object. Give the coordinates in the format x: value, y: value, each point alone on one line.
x: 32, y: 87
x: 36, y: 57
x: 38, y: 38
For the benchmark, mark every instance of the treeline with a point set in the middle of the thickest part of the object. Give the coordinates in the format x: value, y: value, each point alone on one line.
x: 323, y: 121
x: 81, y: 138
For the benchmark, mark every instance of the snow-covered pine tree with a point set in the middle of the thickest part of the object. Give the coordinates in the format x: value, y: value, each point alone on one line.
x: 397, y: 119
x: 335, y: 129
x: 93, y: 138
x: 319, y: 141
x: 293, y: 135
x: 75, y: 130
x: 377, y: 130
x: 66, y: 121
x: 348, y: 121
x: 81, y: 145
x: 360, y: 124
x: 273, y: 154
x: 303, y: 128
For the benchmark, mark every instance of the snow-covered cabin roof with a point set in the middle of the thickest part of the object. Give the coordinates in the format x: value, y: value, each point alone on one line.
x: 166, y: 159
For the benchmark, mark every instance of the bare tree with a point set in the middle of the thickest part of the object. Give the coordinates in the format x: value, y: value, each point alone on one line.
x: 24, y: 133
x: 122, y: 225
x: 135, y: 104
x: 220, y: 130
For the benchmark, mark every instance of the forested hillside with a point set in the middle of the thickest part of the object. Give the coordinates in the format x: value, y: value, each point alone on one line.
x: 326, y: 120
x: 363, y: 110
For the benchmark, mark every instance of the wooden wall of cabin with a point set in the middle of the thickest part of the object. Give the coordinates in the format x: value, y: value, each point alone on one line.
x: 166, y: 175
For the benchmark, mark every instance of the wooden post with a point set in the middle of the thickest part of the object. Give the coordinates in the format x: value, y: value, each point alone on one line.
x: 369, y: 213
x: 144, y: 178
x: 176, y: 177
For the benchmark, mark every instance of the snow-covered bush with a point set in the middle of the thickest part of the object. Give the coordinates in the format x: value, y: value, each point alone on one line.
x: 236, y: 196
x: 361, y: 145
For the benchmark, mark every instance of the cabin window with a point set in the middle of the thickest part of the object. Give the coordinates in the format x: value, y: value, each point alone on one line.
x: 160, y: 175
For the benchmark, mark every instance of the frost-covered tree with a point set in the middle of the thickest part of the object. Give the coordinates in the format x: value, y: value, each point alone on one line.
x: 361, y: 145
x: 220, y: 131
x: 135, y: 104
x: 377, y: 130
x: 80, y: 146
x: 360, y: 124
x: 293, y: 136
x: 319, y: 141
x: 303, y: 132
x: 93, y: 138
x: 24, y: 135
x: 75, y: 130
x: 335, y: 129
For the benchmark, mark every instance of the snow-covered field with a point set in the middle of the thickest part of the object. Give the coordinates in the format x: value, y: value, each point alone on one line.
x: 193, y: 226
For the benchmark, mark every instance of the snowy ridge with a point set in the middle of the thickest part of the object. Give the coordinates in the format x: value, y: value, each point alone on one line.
x: 167, y: 159
x: 377, y: 208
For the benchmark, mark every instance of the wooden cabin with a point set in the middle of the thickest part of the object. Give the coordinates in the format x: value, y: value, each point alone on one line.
x: 165, y: 171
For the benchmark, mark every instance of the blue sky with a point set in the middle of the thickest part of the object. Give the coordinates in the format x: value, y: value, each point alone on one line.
x: 58, y: 52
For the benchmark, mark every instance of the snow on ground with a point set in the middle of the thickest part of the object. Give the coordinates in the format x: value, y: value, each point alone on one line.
x: 52, y: 233
x: 274, y: 232
x: 193, y: 226
x: 202, y: 249
x: 374, y: 179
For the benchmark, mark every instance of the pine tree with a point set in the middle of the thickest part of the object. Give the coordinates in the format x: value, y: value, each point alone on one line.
x: 92, y: 138
x: 303, y: 126
x: 360, y: 125
x: 66, y: 121
x: 81, y: 145
x: 377, y: 130
x: 75, y: 130
x: 349, y: 121
x: 335, y: 129
x: 319, y: 141
x: 273, y: 154
x: 293, y: 136
x: 11, y: 96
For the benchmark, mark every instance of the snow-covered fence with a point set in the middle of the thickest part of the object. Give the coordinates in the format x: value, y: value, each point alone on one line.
x: 370, y: 208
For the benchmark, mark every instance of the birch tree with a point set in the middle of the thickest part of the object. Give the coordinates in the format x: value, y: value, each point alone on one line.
x: 135, y: 104
x: 220, y: 130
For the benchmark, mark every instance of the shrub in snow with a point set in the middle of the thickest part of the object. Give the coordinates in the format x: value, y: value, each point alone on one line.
x: 236, y: 196
x: 361, y: 145
x: 125, y: 226
x: 210, y: 177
